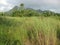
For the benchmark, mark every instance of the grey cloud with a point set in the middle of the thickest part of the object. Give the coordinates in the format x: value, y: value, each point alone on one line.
x: 36, y: 4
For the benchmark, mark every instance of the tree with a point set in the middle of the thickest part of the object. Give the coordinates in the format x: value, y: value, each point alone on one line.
x: 1, y: 13
x: 22, y: 6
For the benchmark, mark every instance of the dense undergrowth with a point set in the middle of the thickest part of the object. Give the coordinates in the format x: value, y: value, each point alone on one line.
x: 29, y: 31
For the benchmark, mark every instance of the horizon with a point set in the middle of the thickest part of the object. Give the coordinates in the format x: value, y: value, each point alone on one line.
x: 52, y: 5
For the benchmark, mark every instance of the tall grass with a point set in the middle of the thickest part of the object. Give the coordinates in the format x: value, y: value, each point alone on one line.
x: 28, y: 30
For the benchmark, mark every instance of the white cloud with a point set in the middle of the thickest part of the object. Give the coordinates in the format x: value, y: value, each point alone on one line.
x: 52, y: 10
x: 5, y: 5
x: 4, y: 2
x: 2, y: 8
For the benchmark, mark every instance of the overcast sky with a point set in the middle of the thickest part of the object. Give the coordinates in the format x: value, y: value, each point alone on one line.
x: 53, y: 5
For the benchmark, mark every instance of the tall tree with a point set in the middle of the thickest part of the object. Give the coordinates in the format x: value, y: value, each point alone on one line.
x: 22, y: 6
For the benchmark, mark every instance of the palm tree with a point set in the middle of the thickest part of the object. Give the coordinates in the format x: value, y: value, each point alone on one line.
x: 22, y: 6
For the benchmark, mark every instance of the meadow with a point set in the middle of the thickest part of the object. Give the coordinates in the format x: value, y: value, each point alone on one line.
x: 29, y: 30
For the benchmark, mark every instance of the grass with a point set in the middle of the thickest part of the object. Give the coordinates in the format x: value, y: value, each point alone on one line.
x: 29, y: 30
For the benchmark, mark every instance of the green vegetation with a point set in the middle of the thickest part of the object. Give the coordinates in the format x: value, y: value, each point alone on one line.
x: 25, y: 26
x: 29, y: 30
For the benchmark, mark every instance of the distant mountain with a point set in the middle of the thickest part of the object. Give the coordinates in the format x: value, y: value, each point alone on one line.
x: 15, y: 8
x: 39, y: 10
x: 12, y: 10
x: 45, y: 12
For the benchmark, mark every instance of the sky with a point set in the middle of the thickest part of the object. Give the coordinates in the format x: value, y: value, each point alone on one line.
x: 53, y: 5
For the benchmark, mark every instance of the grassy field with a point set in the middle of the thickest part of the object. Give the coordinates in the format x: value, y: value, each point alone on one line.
x: 29, y: 31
